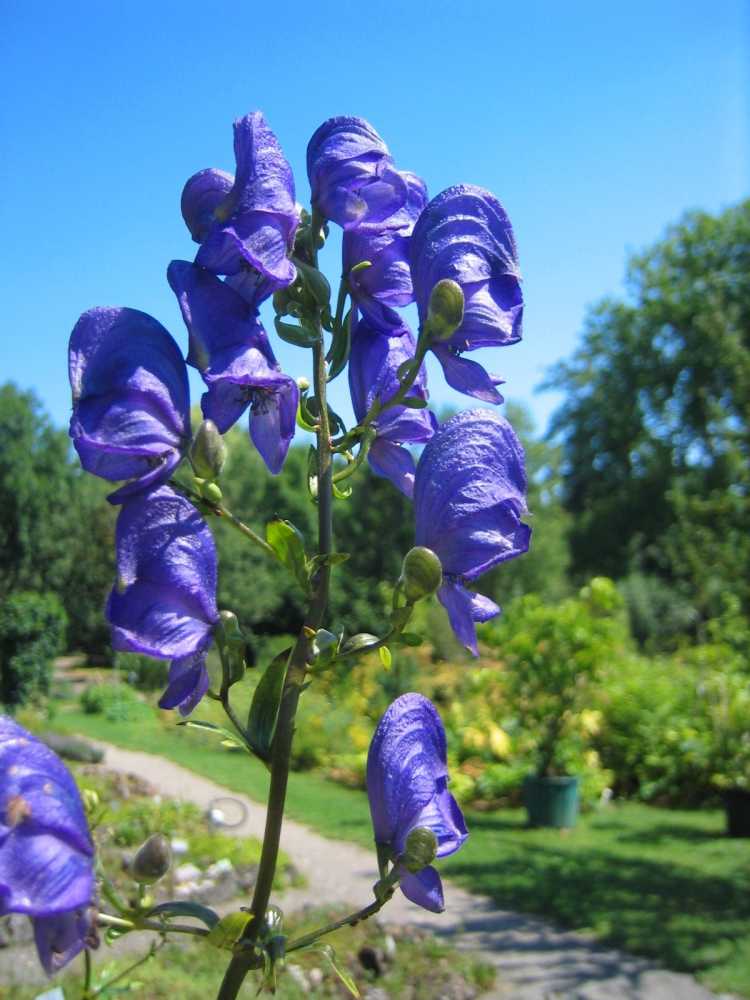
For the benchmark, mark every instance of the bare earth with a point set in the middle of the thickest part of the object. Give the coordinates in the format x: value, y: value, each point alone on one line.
x: 534, y: 960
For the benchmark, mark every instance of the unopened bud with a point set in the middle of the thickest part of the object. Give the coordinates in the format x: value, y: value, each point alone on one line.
x: 421, y: 573
x: 232, y: 645
x: 446, y: 310
x: 211, y: 492
x: 152, y: 860
x: 208, y: 451
x: 420, y: 849
x: 303, y: 384
x: 90, y: 800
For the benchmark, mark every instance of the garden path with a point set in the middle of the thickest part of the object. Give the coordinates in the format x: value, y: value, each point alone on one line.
x: 534, y: 959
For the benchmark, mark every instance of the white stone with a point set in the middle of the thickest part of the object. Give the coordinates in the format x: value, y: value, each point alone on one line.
x: 179, y: 846
x: 187, y: 873
x: 221, y: 867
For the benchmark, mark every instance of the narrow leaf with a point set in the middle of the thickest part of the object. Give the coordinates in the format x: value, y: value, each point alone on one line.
x: 410, y: 639
x: 227, y: 932
x: 289, y: 546
x: 300, y: 336
x: 385, y: 657
x: 340, y: 348
x: 327, y: 951
x: 180, y: 908
x: 209, y: 727
x: 264, y: 710
x: 342, y: 494
x: 414, y: 403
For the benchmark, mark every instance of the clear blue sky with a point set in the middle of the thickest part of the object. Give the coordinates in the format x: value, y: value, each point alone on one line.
x: 595, y: 124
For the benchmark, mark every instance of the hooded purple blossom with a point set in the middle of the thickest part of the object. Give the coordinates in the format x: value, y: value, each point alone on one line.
x: 164, y: 601
x: 465, y: 235
x: 352, y: 176
x: 469, y: 495
x: 407, y: 785
x: 131, y: 402
x: 246, y: 224
x: 386, y: 284
x: 46, y: 851
x: 230, y: 349
x: 373, y: 363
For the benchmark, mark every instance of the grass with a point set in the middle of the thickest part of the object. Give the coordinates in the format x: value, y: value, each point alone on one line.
x: 662, y: 883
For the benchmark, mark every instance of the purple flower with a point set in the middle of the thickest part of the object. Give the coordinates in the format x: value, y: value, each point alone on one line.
x: 352, y: 176
x: 469, y: 495
x: 407, y: 785
x: 373, y: 363
x: 230, y: 349
x: 465, y: 235
x: 246, y: 224
x: 164, y: 601
x: 131, y: 403
x: 387, y: 283
x: 46, y: 851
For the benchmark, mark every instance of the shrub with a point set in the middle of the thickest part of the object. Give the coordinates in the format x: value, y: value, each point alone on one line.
x: 142, y: 672
x: 660, y: 617
x: 116, y: 702
x: 32, y: 633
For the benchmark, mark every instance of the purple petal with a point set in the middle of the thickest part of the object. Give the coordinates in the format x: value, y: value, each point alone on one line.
x: 131, y: 401
x: 351, y: 172
x: 255, y: 224
x: 468, y: 376
x: 393, y: 462
x: 201, y: 196
x: 465, y: 608
x: 273, y: 418
x: 46, y: 852
x: 164, y: 602
x: 406, y: 765
x: 188, y: 682
x: 61, y: 937
x: 470, y: 493
x: 424, y: 888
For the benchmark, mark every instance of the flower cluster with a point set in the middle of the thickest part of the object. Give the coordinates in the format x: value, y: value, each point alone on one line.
x: 46, y: 852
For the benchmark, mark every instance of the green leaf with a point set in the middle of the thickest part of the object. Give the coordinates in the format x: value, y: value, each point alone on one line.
x: 209, y: 727
x: 179, y: 908
x: 227, y: 932
x: 410, y: 639
x: 264, y: 710
x: 405, y: 369
x: 340, y: 348
x: 414, y: 403
x: 342, y: 494
x: 327, y: 951
x: 302, y: 418
x: 300, y: 336
x: 385, y: 657
x: 331, y: 559
x: 289, y: 546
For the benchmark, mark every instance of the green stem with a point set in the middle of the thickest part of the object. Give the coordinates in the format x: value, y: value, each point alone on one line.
x: 352, y: 919
x: 105, y: 920
x: 351, y: 467
x: 219, y: 510
x: 126, y: 972
x: 87, y: 970
x: 244, y: 957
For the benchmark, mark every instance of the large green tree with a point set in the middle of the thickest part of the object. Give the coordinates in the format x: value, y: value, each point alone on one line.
x: 655, y: 426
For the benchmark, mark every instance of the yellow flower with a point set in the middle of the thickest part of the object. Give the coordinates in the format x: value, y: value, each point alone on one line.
x: 591, y: 721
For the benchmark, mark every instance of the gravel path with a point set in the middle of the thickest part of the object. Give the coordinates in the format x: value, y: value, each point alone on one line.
x: 535, y: 961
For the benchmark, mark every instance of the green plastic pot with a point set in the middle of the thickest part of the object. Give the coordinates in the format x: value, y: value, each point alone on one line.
x: 551, y: 801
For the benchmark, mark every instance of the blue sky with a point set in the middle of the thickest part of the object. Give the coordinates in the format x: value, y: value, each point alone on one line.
x: 595, y: 124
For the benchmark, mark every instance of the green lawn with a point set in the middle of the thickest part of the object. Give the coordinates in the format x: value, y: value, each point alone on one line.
x: 661, y: 883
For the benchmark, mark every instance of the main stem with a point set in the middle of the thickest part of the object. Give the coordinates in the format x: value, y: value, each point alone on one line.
x: 282, y: 743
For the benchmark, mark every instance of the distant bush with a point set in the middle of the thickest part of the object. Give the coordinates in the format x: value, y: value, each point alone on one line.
x: 116, y: 702
x: 72, y: 748
x: 142, y: 672
x: 32, y: 633
x: 660, y: 617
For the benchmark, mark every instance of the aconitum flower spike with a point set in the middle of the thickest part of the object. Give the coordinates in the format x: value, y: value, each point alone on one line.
x: 131, y: 402
x: 386, y: 284
x: 469, y: 495
x: 230, y: 349
x: 373, y: 365
x: 46, y: 851
x: 465, y: 235
x: 246, y: 224
x: 163, y: 603
x: 407, y: 785
x: 352, y: 176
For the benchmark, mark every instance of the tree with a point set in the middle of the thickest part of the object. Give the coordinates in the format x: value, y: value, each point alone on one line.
x: 655, y: 429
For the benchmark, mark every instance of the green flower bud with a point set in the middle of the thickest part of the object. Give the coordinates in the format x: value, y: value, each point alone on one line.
x: 420, y: 849
x: 211, y: 492
x: 303, y: 384
x: 208, y: 451
x: 421, y: 573
x: 152, y: 860
x: 446, y: 310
